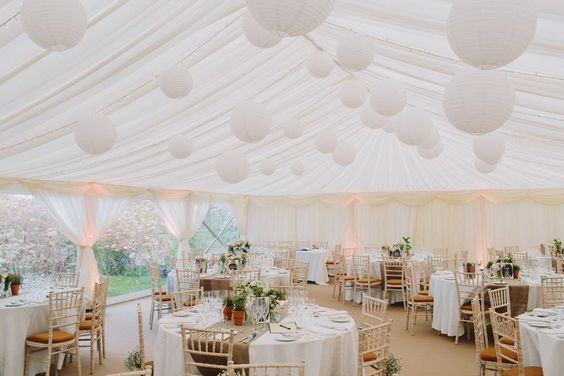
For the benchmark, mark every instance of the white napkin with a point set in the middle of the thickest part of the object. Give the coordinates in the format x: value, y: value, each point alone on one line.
x: 547, y: 311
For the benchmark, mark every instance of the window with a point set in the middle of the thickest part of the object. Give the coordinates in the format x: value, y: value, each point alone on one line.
x: 218, y: 229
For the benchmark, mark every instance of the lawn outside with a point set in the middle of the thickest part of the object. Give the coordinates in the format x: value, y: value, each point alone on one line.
x: 121, y: 284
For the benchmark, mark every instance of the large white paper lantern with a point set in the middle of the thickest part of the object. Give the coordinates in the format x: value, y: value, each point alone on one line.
x: 371, y: 118
x: 355, y: 52
x: 175, y: 82
x: 490, y: 33
x: 320, y: 64
x: 180, y: 146
x: 489, y: 147
x: 326, y: 141
x: 344, y: 154
x: 431, y: 141
x: 478, y: 101
x: 95, y: 134
x: 413, y: 126
x: 390, y: 126
x: 290, y: 17
x: 484, y: 167
x: 353, y: 93
x: 258, y: 35
x: 232, y: 166
x: 431, y: 153
x: 250, y: 122
x: 388, y: 97
x: 267, y: 166
x: 297, y: 168
x: 293, y: 128
x: 56, y: 25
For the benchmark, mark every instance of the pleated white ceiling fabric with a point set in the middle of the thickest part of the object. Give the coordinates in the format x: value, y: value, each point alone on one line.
x: 128, y: 43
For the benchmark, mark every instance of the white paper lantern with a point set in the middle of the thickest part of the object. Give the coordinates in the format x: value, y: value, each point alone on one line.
x: 320, y: 64
x: 232, y: 166
x: 413, y: 126
x: 489, y: 147
x: 371, y: 118
x: 297, y: 168
x: 180, y: 146
x: 326, y: 141
x: 95, y: 134
x: 489, y: 34
x: 250, y: 122
x: 344, y: 154
x: 388, y: 97
x: 293, y: 128
x: 432, y: 153
x: 431, y: 141
x: 56, y: 25
x: 175, y: 82
x: 258, y: 35
x: 353, y: 93
x: 355, y: 52
x: 390, y: 126
x: 484, y: 167
x: 478, y: 101
x: 267, y: 166
x: 290, y: 17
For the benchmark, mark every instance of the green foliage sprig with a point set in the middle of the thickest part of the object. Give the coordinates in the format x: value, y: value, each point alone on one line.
x: 133, y: 360
x: 12, y: 279
x: 393, y: 365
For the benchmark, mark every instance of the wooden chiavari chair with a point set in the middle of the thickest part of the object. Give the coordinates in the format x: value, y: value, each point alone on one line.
x: 468, y: 285
x: 491, y: 254
x: 422, y: 268
x: 330, y: 264
x: 160, y: 300
x: 559, y: 268
x: 462, y: 255
x: 298, y: 274
x: 91, y: 330
x: 187, y: 279
x: 185, y: 263
x: 442, y: 252
x: 321, y: 244
x: 65, y: 311
x: 285, y: 244
x: 206, y: 349
x: 394, y: 279
x: 500, y: 300
x: 147, y: 364
x: 552, y: 290
x: 66, y: 280
x: 144, y: 372
x: 510, y: 249
x: 183, y: 299
x: 242, y: 276
x: 437, y: 263
x: 302, y: 244
x: 507, y: 338
x: 365, y: 281
x: 455, y: 263
x: 270, y: 369
x: 373, y: 309
x: 343, y: 281
x: 520, y: 257
x: 416, y: 302
x: 373, y: 348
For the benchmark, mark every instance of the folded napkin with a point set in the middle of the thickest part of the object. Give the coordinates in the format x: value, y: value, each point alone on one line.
x: 547, y: 311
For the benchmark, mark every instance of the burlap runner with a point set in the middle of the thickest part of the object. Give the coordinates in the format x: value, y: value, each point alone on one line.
x: 518, y: 294
x: 213, y: 283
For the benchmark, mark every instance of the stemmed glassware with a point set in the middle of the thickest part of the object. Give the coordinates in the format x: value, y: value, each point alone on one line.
x: 260, y: 309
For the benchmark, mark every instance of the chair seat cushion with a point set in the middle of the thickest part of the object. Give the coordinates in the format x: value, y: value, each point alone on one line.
x: 349, y: 277
x: 369, y: 357
x: 88, y: 324
x: 163, y: 297
x: 88, y: 316
x: 423, y: 292
x: 529, y: 371
x: 58, y: 337
x: 394, y: 281
x: 329, y: 262
x: 507, y: 341
x: 369, y: 280
x: 468, y: 307
x: 422, y: 299
x: 489, y: 354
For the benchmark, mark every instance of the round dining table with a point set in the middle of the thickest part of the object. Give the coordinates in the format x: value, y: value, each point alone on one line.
x: 326, y: 347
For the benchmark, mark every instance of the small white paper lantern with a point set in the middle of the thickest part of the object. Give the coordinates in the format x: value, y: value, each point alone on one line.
x: 413, y: 126
x: 390, y: 126
x: 431, y: 141
x: 232, y: 166
x: 326, y: 141
x: 355, y: 52
x: 258, y: 35
x: 353, y: 93
x: 371, y: 118
x: 320, y: 64
x: 388, y: 97
x: 293, y: 128
x: 478, y: 101
x: 95, y: 134
x: 180, y: 146
x: 344, y: 154
x: 250, y: 122
x: 290, y: 17
x: 489, y: 34
x: 56, y: 25
x: 297, y: 168
x: 484, y: 167
x: 175, y: 82
x: 267, y: 166
x: 489, y: 147
x: 432, y: 153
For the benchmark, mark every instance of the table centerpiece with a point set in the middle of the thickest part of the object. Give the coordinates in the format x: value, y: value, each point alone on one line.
x: 401, y: 248
x: 243, y: 294
x: 236, y: 256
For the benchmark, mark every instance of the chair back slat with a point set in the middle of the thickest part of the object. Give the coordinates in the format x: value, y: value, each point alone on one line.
x: 270, y: 369
x: 187, y: 279
x: 552, y: 290
x: 500, y: 300
x: 374, y: 308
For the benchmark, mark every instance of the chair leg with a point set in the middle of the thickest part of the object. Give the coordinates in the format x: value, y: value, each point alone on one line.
x: 152, y: 314
x: 91, y: 364
x: 26, y: 360
x: 104, y: 339
x: 413, y: 318
x: 77, y: 350
x: 48, y: 369
x: 99, y: 345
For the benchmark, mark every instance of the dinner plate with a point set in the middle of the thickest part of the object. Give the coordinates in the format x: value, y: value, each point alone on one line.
x: 340, y: 318
x: 285, y: 337
x: 14, y: 304
x: 539, y: 324
x: 181, y: 313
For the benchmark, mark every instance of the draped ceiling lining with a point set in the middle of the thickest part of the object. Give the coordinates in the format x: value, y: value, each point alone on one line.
x: 128, y: 43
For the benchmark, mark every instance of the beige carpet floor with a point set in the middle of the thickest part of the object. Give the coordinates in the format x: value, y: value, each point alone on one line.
x: 426, y: 353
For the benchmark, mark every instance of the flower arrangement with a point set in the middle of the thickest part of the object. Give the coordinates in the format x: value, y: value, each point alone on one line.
x: 255, y: 289
x: 237, y: 253
x: 393, y: 365
x: 225, y: 373
x: 133, y: 360
x: 496, y: 266
x: 12, y: 279
x: 402, y: 247
x: 240, y: 246
x: 557, y: 244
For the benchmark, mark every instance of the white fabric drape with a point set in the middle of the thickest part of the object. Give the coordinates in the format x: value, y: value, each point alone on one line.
x: 198, y: 210
x: 239, y: 210
x: 82, y: 215
x: 174, y: 208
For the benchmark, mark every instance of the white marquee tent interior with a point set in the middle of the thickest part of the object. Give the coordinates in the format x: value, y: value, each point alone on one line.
x: 388, y: 191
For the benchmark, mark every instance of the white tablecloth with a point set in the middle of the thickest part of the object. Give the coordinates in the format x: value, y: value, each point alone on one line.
x: 16, y: 323
x: 326, y: 352
x: 316, y: 259
x: 543, y: 348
